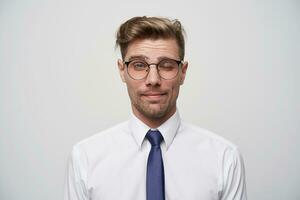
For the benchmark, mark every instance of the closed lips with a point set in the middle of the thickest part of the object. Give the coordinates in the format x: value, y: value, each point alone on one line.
x: 154, y: 94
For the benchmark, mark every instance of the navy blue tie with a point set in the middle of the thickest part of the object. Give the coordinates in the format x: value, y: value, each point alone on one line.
x: 155, y: 168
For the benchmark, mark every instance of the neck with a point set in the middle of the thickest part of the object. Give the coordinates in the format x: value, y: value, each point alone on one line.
x: 153, y: 122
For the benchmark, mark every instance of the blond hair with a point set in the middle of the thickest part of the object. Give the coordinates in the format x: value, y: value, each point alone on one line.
x: 150, y: 28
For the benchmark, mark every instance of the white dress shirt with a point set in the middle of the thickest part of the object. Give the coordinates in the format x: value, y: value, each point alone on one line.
x: 198, y: 164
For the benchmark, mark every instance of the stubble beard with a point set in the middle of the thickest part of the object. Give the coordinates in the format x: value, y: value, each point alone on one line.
x: 146, y: 109
x: 154, y: 111
x: 150, y: 110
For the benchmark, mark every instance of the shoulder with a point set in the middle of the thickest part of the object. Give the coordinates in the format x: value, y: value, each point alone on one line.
x: 104, y: 139
x: 217, y: 151
x: 206, y: 138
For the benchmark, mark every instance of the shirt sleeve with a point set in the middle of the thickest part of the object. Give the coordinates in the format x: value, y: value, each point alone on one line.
x: 76, y: 176
x: 234, y: 183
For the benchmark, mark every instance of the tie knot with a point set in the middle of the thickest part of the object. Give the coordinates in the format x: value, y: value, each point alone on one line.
x: 154, y: 137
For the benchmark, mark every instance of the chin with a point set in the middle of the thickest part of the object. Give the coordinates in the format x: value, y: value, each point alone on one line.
x: 155, y: 113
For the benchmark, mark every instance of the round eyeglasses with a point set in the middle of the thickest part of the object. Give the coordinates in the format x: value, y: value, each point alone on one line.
x: 167, y: 68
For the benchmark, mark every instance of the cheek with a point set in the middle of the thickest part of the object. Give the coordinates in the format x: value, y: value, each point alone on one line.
x: 132, y: 89
x: 174, y: 90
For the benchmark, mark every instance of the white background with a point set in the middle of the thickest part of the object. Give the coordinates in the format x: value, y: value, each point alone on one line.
x: 59, y: 83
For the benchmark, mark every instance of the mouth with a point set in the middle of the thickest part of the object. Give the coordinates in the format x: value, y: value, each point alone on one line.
x: 154, y: 96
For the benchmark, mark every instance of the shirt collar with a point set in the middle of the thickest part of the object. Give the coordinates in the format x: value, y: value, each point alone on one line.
x: 168, y: 129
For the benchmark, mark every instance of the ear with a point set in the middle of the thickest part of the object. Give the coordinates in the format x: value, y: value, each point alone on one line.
x: 183, y: 72
x: 122, y: 72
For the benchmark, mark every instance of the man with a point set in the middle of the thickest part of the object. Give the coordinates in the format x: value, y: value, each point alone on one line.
x: 154, y: 155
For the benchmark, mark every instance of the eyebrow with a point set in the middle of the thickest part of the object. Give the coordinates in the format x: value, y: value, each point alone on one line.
x: 138, y: 57
x: 143, y: 57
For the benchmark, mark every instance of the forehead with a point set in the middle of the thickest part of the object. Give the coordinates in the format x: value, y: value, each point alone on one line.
x: 153, y: 48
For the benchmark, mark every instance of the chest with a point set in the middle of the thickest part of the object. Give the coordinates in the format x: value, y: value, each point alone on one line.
x: 188, y: 175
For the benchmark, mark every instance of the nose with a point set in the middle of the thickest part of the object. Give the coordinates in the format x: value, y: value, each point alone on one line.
x: 153, y: 77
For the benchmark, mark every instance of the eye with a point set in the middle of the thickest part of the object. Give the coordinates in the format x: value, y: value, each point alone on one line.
x: 167, y: 65
x: 138, y: 65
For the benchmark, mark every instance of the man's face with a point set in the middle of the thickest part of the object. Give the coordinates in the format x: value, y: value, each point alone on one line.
x: 153, y: 98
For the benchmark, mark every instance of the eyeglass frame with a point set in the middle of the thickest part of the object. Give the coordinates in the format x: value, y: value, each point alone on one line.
x: 179, y: 63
